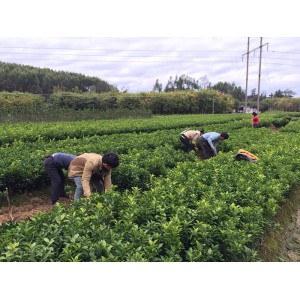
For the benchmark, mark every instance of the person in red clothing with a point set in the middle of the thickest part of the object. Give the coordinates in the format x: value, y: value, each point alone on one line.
x: 255, y: 120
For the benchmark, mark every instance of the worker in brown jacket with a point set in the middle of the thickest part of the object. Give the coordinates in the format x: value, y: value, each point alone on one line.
x: 189, y: 138
x: 92, y: 170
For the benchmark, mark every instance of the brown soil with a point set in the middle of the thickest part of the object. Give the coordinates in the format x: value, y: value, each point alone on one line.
x: 29, y: 205
x: 280, y: 245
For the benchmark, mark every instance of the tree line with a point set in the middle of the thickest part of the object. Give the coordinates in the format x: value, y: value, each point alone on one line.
x: 24, y: 78
x: 46, y: 82
x: 184, y: 82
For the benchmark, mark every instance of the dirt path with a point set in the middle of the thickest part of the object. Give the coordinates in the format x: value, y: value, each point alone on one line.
x: 282, y: 245
x: 30, y: 204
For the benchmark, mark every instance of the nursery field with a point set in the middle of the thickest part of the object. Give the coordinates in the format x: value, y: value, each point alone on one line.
x: 165, y: 205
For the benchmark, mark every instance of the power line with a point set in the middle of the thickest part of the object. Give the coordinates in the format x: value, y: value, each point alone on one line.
x: 279, y: 64
x: 72, y: 54
x: 209, y: 59
x: 139, y: 61
x: 285, y: 52
x: 135, y: 50
x: 104, y: 49
x: 93, y: 55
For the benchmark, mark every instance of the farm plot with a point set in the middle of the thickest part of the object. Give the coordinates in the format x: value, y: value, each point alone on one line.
x: 166, y: 206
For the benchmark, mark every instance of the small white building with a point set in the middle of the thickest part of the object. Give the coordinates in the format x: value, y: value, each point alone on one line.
x: 249, y: 110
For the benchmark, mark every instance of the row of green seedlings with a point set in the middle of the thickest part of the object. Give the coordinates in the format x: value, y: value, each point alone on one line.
x: 22, y: 168
x: 30, y: 132
x: 214, y: 210
x: 140, y: 156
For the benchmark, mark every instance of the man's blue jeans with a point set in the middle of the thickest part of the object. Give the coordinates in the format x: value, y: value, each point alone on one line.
x: 79, y: 191
x: 97, y: 184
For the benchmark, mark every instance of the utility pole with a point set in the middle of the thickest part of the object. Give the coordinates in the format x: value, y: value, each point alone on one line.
x: 246, y: 96
x: 248, y: 52
x: 258, y: 89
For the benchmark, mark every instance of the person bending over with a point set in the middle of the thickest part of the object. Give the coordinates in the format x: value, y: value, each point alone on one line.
x: 209, y: 141
x: 54, y: 165
x: 189, y: 138
x: 92, y: 170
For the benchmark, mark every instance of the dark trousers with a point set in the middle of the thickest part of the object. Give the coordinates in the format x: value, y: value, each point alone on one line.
x: 188, y: 146
x: 97, y: 183
x: 57, y: 178
x: 207, y: 151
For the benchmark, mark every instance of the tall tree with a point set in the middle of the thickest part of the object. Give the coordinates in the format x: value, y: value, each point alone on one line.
x: 289, y: 93
x: 182, y: 83
x: 204, y: 83
x: 170, y: 85
x: 278, y: 94
x: 157, y: 86
x: 231, y: 89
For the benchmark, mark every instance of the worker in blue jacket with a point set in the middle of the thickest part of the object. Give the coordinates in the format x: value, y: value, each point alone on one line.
x: 208, y: 143
x: 54, y: 165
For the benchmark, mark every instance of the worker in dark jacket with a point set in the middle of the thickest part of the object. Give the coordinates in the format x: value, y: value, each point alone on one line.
x: 53, y: 166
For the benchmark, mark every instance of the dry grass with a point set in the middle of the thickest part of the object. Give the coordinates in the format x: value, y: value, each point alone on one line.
x: 284, y: 245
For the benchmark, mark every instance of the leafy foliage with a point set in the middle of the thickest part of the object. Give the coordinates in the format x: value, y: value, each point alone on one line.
x: 22, y: 78
x: 167, y: 205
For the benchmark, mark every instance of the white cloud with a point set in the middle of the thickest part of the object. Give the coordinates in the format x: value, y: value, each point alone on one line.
x: 135, y: 63
x: 132, y: 43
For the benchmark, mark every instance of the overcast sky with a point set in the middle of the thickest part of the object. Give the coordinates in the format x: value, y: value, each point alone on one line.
x: 131, y: 48
x: 134, y: 63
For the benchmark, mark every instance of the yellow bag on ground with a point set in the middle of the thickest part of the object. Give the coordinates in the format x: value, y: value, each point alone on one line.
x: 246, y: 155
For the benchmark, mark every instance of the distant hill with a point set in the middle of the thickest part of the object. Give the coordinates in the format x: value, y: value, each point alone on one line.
x: 24, y: 78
